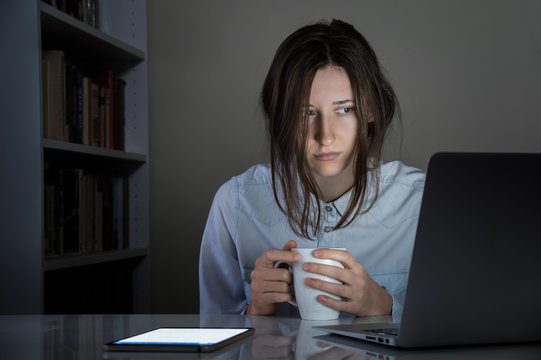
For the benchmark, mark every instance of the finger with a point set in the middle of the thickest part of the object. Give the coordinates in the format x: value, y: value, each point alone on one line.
x: 338, y: 255
x: 331, y: 288
x: 339, y: 305
x: 273, y: 274
x: 323, y: 345
x: 269, y: 257
x: 290, y: 245
x: 343, y: 257
x: 270, y: 286
x: 331, y: 271
x: 275, y: 297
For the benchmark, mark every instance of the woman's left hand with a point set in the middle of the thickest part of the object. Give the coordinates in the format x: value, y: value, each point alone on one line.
x: 362, y: 296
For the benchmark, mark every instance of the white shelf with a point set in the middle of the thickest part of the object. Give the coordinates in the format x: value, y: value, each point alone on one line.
x: 71, y: 261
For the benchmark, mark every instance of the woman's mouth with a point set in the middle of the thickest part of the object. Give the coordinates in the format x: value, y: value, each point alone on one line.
x: 328, y: 156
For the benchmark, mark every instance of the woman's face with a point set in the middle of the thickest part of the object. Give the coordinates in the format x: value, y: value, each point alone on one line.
x: 332, y: 125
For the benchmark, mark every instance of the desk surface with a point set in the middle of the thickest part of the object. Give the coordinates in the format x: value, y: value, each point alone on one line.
x: 82, y: 337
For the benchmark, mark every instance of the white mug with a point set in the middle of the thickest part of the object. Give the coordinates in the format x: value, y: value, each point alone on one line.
x: 306, y: 297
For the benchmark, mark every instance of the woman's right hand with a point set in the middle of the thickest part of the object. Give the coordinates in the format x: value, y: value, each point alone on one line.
x: 270, y: 285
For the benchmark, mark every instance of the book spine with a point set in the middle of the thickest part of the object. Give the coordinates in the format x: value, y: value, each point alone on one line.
x: 86, y: 112
x: 102, y: 115
x: 84, y: 213
x: 83, y: 10
x: 54, y: 95
x: 106, y: 80
x: 68, y: 102
x: 90, y: 108
x: 95, y: 114
x: 98, y: 216
x: 81, y: 108
x: 119, y: 118
x: 77, y: 125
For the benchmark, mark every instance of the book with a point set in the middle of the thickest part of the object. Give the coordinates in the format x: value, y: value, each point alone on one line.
x: 69, y: 98
x: 76, y: 123
x: 119, y: 116
x: 84, y: 10
x: 90, y: 12
x: 87, y: 110
x: 118, y: 213
x: 95, y: 117
x: 84, y: 212
x: 71, y: 179
x: 106, y: 80
x: 107, y: 212
x: 50, y: 214
x: 82, y: 107
x: 54, y: 76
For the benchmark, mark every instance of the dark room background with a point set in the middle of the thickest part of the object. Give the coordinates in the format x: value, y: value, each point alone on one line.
x: 467, y: 75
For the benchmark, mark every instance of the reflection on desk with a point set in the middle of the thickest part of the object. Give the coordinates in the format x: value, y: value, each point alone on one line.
x: 82, y: 337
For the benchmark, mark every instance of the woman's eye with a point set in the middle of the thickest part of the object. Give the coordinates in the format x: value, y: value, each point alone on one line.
x: 308, y: 113
x: 345, y: 110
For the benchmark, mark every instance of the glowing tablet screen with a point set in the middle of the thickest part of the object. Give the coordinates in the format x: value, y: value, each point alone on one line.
x: 182, y: 336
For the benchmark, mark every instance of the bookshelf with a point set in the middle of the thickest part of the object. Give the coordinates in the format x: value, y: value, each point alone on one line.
x: 106, y: 268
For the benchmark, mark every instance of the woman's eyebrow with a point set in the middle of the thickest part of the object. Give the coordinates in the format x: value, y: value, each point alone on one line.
x: 341, y: 102
x: 338, y: 102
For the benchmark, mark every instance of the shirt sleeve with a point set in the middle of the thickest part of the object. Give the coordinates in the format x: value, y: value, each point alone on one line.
x: 395, y: 284
x: 398, y: 304
x: 220, y: 280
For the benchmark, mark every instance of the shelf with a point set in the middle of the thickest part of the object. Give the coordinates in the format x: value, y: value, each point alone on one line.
x: 84, y: 43
x: 92, y: 158
x: 92, y: 282
x: 93, y: 151
x: 72, y: 261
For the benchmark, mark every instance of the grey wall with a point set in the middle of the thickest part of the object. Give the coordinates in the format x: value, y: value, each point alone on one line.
x: 467, y: 74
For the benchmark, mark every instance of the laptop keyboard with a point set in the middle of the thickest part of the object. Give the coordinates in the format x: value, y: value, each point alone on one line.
x: 390, y: 331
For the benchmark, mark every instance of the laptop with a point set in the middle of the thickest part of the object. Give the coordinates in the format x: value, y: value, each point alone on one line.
x: 342, y: 347
x: 475, y: 274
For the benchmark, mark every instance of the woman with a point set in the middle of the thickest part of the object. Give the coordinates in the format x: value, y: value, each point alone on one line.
x: 328, y: 107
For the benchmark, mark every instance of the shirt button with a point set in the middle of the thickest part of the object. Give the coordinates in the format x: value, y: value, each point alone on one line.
x: 328, y: 208
x: 327, y: 228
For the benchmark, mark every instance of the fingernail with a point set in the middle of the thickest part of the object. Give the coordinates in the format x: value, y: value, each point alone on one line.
x: 317, y: 253
x: 323, y: 298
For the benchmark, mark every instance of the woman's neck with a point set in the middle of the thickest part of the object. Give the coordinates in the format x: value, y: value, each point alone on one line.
x: 331, y: 188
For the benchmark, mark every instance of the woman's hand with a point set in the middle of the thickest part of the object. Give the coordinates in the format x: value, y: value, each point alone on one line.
x: 270, y: 285
x: 362, y: 295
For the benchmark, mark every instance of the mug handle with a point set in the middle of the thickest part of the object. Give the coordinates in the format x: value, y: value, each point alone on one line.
x: 278, y: 263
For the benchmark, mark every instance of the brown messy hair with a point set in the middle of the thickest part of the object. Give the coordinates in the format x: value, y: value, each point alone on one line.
x: 287, y: 88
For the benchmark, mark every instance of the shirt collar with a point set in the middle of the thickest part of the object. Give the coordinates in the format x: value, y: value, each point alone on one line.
x: 341, y: 204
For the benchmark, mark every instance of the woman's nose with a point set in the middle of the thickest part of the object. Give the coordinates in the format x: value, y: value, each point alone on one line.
x: 324, y: 134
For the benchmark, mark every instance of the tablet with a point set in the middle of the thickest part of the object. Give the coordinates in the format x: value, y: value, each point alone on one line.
x: 201, y: 339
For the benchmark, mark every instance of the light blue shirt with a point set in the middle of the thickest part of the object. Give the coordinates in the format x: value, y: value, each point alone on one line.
x: 245, y: 221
